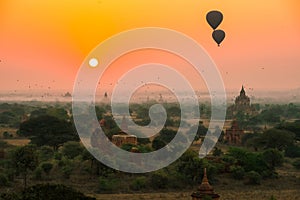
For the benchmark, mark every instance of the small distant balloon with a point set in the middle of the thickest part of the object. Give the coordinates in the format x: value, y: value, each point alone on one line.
x: 214, y: 18
x: 218, y: 36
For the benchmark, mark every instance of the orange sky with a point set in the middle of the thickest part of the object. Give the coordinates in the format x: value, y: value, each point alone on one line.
x: 43, y: 43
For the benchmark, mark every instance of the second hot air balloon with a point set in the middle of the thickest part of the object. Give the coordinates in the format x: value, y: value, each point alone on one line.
x: 218, y: 36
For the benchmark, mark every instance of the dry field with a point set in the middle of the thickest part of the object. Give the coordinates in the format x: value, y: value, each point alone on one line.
x: 7, y: 129
x: 17, y: 142
x: 225, y: 195
x: 286, y: 187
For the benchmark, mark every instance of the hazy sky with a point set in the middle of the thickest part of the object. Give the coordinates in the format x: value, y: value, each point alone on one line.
x: 43, y: 43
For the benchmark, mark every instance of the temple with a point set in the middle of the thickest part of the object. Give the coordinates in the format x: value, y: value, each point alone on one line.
x: 205, y: 190
x: 234, y: 134
x: 242, y: 104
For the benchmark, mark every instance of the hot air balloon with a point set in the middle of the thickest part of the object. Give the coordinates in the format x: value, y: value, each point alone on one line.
x: 218, y: 36
x: 214, y: 18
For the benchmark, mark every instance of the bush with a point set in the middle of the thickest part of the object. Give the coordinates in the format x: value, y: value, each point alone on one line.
x: 3, y: 180
x: 237, y: 172
x: 10, y: 174
x: 37, y: 173
x: 107, y: 185
x: 217, y: 152
x: 67, y: 171
x: 253, y: 178
x: 45, y: 153
x: 159, y: 180
x: 47, y: 166
x: 296, y: 164
x: 72, y: 149
x: 272, y: 198
x: 269, y: 174
x: 7, y: 135
x: 273, y: 158
x: 52, y: 192
x: 57, y: 156
x: 139, y: 183
x: 9, y: 196
x: 292, y: 151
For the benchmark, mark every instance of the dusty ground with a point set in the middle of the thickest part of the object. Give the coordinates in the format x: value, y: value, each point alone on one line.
x: 286, y: 187
x: 225, y: 195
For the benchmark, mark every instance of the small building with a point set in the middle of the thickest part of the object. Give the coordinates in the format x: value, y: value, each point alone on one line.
x: 205, y: 190
x: 123, y: 137
x: 234, y: 134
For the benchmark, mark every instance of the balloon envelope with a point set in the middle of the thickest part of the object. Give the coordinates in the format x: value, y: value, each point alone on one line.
x: 214, y: 18
x: 218, y: 36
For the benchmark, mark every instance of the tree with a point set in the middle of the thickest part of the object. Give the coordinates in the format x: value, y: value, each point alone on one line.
x: 7, y: 135
x: 200, y: 130
x: 59, y: 113
x: 48, y: 130
x: 47, y: 166
x: 45, y: 153
x: 248, y: 160
x: 158, y: 143
x: 293, y: 127
x: 253, y: 178
x: 167, y: 135
x: 273, y: 158
x: 237, y: 172
x: 292, y: 151
x: 72, y: 149
x: 174, y: 111
x: 24, y: 159
x: 159, y: 180
x: 100, y: 111
x: 217, y: 152
x: 190, y: 166
x: 272, y: 138
x: 277, y: 139
x: 296, y: 163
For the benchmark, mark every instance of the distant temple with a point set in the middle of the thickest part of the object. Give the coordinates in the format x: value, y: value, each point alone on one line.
x: 234, y: 134
x: 242, y: 104
x: 68, y: 94
x: 106, y: 99
x: 205, y: 190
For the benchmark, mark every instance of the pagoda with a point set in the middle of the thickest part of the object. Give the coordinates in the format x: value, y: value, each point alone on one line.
x: 205, y: 190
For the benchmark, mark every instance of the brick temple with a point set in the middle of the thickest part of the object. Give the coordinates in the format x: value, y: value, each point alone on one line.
x: 205, y: 190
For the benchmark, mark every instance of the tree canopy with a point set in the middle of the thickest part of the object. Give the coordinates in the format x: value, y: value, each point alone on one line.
x: 48, y: 130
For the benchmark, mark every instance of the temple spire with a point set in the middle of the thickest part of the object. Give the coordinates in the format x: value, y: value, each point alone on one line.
x: 205, y: 187
x: 242, y: 91
x: 205, y: 190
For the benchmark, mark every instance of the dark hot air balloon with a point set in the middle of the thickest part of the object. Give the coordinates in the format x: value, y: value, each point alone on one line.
x: 218, y: 36
x: 214, y: 18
